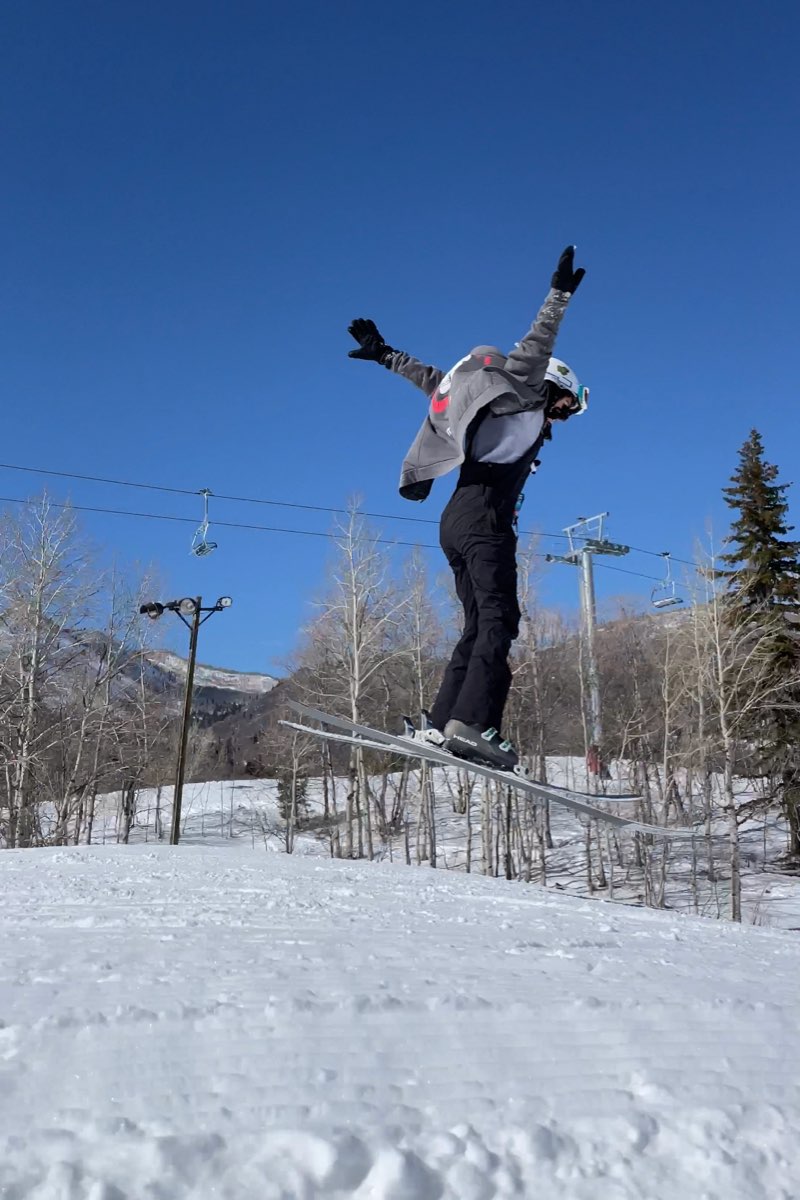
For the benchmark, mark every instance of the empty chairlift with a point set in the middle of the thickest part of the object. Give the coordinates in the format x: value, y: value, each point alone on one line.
x: 663, y: 594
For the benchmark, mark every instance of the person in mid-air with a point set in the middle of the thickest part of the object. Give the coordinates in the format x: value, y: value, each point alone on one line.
x: 489, y: 415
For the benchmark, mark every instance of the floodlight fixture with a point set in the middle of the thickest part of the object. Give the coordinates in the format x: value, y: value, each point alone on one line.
x: 153, y: 610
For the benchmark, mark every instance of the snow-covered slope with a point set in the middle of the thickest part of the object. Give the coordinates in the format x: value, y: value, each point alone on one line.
x: 193, y: 1022
x: 241, y: 813
x: 249, y: 683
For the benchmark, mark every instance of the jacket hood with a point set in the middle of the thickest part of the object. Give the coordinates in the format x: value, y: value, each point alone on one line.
x: 496, y: 358
x: 478, y: 359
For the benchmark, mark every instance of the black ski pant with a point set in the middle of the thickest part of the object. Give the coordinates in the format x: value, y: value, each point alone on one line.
x: 477, y: 535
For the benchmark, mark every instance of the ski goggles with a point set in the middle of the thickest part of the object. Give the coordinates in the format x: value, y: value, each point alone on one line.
x: 580, y: 402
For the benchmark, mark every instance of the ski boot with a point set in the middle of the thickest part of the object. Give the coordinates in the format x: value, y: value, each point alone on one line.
x: 488, y: 748
x: 426, y: 732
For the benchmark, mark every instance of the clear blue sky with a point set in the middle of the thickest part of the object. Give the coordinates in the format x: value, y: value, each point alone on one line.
x: 198, y: 197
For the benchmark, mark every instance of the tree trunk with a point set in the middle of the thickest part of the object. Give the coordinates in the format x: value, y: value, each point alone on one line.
x: 733, y: 837
x: 349, y: 806
x: 128, y: 803
x: 791, y: 804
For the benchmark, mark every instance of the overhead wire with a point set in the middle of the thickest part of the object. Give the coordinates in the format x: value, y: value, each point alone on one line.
x: 177, y: 491
x: 123, y: 512
x: 323, y: 508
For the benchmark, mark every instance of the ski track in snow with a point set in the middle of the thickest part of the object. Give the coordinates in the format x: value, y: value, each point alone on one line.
x: 195, y: 1023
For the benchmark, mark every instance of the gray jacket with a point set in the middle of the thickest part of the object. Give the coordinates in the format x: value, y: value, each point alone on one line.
x: 485, y: 377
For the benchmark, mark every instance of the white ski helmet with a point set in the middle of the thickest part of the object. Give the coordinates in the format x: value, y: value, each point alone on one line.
x: 565, y: 378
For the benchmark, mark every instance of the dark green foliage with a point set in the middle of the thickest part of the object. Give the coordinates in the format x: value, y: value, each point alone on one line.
x: 766, y: 565
x: 764, y: 593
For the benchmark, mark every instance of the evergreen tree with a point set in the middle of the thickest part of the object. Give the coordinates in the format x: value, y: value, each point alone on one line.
x: 766, y: 565
x: 764, y: 591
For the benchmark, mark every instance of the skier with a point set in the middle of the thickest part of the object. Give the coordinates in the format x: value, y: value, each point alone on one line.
x: 489, y: 415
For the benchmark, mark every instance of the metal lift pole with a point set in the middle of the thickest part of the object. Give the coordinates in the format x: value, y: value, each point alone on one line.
x: 589, y: 532
x: 590, y: 626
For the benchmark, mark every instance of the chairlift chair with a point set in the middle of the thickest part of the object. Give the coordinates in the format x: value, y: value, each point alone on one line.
x: 200, y: 544
x: 663, y: 594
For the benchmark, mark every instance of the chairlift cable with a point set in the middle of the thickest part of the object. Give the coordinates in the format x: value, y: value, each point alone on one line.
x: 122, y: 512
x: 322, y: 508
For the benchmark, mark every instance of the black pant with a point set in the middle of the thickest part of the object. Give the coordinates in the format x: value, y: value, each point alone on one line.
x: 477, y: 535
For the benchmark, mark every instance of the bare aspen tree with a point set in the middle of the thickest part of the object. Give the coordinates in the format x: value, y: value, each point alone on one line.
x: 420, y: 636
x: 487, y: 855
x: 292, y: 783
x: 107, y: 678
x: 741, y: 683
x: 70, y: 654
x: 331, y: 810
x: 44, y: 591
x: 354, y: 638
x: 528, y: 693
x: 468, y: 863
x: 703, y: 719
x: 529, y: 639
x: 672, y: 698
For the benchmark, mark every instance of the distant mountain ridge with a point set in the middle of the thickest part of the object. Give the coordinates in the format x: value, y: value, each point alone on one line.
x: 74, y: 657
x: 222, y: 679
x: 218, y: 694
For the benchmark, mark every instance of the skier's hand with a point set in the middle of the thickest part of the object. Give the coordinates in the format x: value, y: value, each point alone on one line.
x: 565, y: 277
x: 371, y: 345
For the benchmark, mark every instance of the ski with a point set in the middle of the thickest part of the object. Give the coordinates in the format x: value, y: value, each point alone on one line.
x: 409, y: 749
x: 375, y: 739
x: 549, y: 791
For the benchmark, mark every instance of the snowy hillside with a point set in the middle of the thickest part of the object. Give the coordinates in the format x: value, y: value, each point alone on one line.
x: 246, y: 814
x: 198, y: 1022
x: 249, y: 683
x: 81, y: 653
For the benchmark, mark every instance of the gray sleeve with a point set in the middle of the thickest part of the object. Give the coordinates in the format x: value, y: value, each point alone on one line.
x: 528, y: 360
x: 426, y: 378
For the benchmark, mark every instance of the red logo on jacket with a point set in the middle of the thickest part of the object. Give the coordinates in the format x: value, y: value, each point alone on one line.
x: 441, y: 396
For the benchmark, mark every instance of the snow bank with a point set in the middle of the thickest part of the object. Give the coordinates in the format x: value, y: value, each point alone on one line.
x: 194, y: 1023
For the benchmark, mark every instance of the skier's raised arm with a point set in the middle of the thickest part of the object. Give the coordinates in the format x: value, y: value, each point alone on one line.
x: 528, y: 360
x: 372, y: 348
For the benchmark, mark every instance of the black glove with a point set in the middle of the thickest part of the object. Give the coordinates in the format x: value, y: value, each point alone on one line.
x: 371, y: 345
x: 566, y: 278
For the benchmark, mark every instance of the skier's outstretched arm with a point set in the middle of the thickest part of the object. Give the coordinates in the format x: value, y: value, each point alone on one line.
x: 528, y: 360
x: 372, y: 348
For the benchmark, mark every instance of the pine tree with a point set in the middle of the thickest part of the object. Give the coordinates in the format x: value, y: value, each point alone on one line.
x: 764, y: 592
x: 767, y: 567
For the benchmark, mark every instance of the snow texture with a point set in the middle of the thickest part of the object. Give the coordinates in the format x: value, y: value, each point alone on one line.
x: 197, y: 1022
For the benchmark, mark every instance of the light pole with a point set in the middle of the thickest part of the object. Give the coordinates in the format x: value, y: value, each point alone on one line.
x: 185, y: 608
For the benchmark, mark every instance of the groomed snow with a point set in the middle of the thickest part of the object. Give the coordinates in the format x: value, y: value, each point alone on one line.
x: 191, y: 1022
